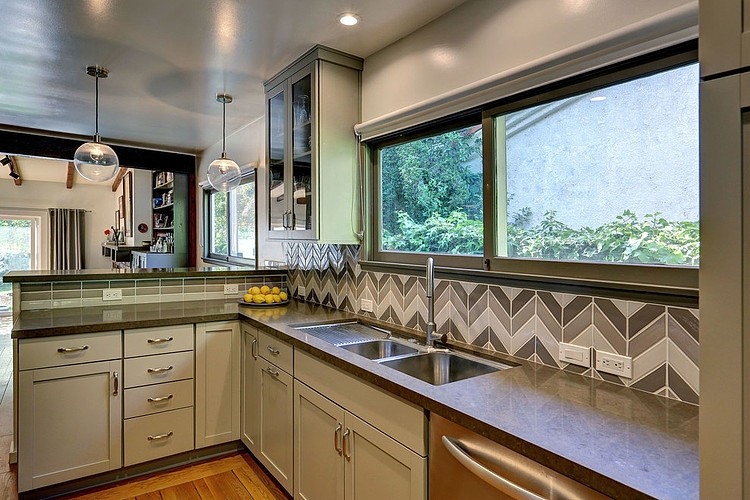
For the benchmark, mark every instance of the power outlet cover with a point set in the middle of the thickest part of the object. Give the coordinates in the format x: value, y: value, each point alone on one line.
x: 365, y: 305
x: 231, y: 289
x: 301, y: 291
x: 615, y: 364
x: 112, y: 294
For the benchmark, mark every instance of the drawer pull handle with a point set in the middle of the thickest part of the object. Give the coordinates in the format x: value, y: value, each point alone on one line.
x: 160, y: 341
x: 159, y: 370
x: 273, y: 372
x: 117, y: 384
x: 159, y: 399
x: 72, y: 349
x: 273, y: 351
x: 160, y: 436
x: 492, y: 478
x: 254, y: 348
x: 337, y: 439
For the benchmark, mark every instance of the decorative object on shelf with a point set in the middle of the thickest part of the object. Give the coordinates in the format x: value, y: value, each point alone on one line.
x: 127, y: 193
x: 142, y: 227
x: 117, y: 220
x: 96, y: 161
x: 223, y: 173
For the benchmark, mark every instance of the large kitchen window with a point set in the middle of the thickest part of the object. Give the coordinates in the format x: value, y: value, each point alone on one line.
x: 594, y: 179
x: 230, y: 232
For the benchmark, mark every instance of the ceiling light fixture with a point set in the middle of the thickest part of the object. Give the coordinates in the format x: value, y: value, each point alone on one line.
x: 95, y: 161
x: 348, y: 19
x: 223, y: 173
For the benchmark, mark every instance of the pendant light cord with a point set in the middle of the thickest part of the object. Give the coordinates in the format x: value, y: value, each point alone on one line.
x: 96, y: 135
x: 224, y: 128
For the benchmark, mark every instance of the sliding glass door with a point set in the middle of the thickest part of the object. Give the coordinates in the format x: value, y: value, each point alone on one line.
x: 19, y: 250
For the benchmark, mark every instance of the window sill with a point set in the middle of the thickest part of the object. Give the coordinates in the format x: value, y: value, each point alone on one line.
x: 666, y: 295
x: 228, y: 263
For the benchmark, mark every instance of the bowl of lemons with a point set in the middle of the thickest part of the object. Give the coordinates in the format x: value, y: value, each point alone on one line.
x: 265, y: 296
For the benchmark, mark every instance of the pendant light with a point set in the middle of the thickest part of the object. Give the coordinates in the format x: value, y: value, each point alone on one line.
x: 95, y: 161
x: 223, y: 173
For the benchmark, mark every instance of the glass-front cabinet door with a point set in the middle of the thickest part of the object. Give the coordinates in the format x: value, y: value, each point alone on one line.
x: 277, y: 119
x: 291, y: 156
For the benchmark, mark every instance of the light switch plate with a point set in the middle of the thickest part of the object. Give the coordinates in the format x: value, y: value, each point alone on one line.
x: 301, y: 291
x: 575, y: 355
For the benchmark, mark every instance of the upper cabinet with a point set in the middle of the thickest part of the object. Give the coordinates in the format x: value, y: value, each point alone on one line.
x: 311, y: 109
x: 724, y: 36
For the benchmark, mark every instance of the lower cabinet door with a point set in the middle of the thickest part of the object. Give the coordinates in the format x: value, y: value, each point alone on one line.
x: 159, y: 435
x: 250, y: 389
x: 276, y: 402
x: 69, y: 423
x: 318, y: 450
x: 377, y: 467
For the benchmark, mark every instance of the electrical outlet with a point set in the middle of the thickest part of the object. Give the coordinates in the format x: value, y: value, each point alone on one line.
x: 615, y: 364
x: 365, y: 305
x: 231, y: 289
x: 575, y: 355
x: 301, y: 291
x: 112, y: 294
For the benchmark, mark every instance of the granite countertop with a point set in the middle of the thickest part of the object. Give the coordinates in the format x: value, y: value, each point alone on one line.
x: 622, y: 442
x: 112, y: 274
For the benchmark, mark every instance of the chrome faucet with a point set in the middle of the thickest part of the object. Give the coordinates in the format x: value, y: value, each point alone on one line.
x: 430, y: 334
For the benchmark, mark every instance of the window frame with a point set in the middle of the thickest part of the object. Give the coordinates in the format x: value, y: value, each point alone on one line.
x: 546, y: 274
x: 212, y: 257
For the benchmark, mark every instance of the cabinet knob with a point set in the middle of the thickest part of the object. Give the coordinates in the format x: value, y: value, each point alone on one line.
x: 273, y: 350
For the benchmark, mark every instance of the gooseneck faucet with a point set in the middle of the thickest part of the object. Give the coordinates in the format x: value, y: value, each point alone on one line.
x: 430, y: 277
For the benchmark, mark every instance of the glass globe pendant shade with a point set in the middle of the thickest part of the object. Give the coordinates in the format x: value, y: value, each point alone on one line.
x: 96, y: 162
x: 224, y: 174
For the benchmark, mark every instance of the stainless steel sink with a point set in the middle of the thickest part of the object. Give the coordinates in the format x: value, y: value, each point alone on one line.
x: 439, y: 368
x: 379, y: 349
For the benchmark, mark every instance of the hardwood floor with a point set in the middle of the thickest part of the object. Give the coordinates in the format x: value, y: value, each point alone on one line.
x: 235, y: 476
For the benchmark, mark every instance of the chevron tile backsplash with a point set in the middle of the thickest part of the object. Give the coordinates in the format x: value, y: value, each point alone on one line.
x: 663, y: 341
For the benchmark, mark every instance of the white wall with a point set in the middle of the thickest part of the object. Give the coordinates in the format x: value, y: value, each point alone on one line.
x: 244, y: 146
x: 484, y: 38
x: 41, y: 195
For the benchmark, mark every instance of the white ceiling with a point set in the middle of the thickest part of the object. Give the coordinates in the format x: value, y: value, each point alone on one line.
x: 169, y: 58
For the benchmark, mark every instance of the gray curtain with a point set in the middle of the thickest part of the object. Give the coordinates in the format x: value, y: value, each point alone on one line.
x: 67, y: 238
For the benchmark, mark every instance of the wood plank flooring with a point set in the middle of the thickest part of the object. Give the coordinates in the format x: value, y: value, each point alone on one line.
x: 235, y: 476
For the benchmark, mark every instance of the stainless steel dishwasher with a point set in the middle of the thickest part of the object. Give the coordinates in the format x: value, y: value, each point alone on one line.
x: 465, y: 465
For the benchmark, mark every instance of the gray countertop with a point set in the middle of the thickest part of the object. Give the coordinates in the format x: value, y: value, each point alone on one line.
x: 622, y: 442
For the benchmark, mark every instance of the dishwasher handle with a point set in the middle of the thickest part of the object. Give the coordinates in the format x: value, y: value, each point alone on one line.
x: 490, y: 477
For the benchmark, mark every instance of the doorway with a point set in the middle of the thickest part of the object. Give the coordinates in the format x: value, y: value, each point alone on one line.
x: 20, y: 250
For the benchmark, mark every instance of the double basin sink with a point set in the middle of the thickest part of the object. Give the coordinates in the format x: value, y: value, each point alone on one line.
x: 435, y: 367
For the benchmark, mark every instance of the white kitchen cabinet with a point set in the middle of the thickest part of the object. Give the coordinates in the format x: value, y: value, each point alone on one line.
x: 217, y: 383
x: 69, y: 416
x: 373, y: 442
x: 250, y: 404
x: 311, y: 108
x: 339, y: 456
x: 159, y: 371
x: 267, y: 402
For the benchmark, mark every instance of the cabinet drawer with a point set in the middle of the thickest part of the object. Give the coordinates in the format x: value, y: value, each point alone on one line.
x: 276, y: 351
x: 158, y: 397
x: 160, y: 368
x: 69, y: 349
x: 159, y: 435
x: 145, y: 341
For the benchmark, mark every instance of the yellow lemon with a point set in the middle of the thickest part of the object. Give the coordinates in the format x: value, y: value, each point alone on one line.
x: 248, y: 297
x: 269, y: 299
x: 254, y: 290
x: 276, y: 297
x: 259, y: 299
x: 275, y: 290
x: 265, y: 289
x: 283, y: 295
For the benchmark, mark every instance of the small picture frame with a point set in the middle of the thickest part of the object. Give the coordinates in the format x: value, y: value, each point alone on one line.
x: 122, y: 204
x: 117, y: 218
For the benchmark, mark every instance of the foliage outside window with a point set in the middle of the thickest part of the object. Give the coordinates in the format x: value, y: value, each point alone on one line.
x: 230, y: 229
x: 604, y: 174
x: 16, y: 236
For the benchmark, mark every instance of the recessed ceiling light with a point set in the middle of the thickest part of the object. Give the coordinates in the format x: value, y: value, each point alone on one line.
x: 598, y: 98
x: 348, y: 19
